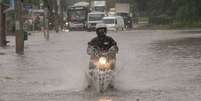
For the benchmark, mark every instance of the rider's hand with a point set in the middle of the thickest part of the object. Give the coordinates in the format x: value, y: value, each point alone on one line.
x: 89, y: 49
x: 113, y: 49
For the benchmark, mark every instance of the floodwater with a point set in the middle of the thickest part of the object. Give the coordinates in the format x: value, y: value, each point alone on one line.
x: 152, y: 65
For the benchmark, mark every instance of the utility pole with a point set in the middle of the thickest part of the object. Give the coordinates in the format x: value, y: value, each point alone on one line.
x: 90, y: 3
x: 57, y: 15
x: 19, y: 28
x: 46, y: 27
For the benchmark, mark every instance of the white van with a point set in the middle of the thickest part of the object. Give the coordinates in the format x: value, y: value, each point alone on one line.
x: 114, y: 23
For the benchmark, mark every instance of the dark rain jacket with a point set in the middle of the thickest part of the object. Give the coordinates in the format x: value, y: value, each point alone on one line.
x: 103, y: 43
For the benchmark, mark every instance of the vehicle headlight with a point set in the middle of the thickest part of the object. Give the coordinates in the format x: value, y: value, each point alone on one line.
x: 105, y: 99
x: 102, y: 60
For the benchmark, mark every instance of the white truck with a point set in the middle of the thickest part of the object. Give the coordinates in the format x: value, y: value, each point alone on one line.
x: 122, y: 7
x: 93, y: 19
x: 123, y: 10
x: 95, y: 16
x: 98, y: 6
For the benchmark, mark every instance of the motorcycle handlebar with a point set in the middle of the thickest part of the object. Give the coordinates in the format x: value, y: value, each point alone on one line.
x: 97, y: 52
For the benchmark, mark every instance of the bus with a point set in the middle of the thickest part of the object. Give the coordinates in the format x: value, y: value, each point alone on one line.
x: 77, y: 16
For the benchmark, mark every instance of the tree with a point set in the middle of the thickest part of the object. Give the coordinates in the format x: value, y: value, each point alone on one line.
x: 56, y: 11
x: 181, y: 10
x: 188, y: 10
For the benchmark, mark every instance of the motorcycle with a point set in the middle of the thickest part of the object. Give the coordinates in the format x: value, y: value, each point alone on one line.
x: 101, y: 71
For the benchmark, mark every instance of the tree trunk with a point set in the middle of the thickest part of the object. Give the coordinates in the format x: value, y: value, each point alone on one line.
x: 19, y: 28
x: 2, y: 27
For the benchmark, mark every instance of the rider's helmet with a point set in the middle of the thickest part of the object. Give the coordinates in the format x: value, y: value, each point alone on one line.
x: 101, y: 29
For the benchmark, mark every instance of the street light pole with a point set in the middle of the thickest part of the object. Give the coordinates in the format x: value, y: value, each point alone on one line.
x: 19, y: 28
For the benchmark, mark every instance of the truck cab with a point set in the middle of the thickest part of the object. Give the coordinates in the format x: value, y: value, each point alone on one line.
x: 93, y: 19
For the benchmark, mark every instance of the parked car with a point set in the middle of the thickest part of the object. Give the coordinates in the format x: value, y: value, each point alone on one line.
x: 114, y: 23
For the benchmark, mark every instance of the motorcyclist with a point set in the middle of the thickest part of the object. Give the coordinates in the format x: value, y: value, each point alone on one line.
x: 102, y: 43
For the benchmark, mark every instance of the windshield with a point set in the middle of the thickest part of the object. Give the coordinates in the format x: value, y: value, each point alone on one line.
x: 109, y: 21
x: 77, y: 15
x: 96, y: 17
x: 124, y: 15
x: 100, y: 8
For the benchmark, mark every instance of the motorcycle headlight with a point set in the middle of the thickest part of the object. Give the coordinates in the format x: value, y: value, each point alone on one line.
x: 105, y: 99
x: 102, y: 60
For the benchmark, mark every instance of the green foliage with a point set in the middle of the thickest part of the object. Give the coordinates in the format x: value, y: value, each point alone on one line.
x: 161, y: 20
x: 183, y: 11
x: 34, y: 2
x: 188, y: 10
x: 4, y: 1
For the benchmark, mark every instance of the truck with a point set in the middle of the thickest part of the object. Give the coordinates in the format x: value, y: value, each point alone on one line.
x: 93, y: 19
x: 122, y: 7
x: 99, y: 6
x: 98, y: 9
x: 77, y: 16
x: 123, y: 10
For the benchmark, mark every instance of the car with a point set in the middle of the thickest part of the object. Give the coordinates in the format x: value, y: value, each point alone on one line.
x: 114, y: 23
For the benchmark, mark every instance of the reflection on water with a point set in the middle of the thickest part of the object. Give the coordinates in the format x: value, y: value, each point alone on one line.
x: 105, y: 99
x: 183, y: 48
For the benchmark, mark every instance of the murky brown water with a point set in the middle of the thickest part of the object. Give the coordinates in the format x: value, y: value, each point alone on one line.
x: 153, y: 65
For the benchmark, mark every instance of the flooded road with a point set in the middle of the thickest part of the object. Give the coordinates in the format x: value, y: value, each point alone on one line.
x: 152, y: 65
